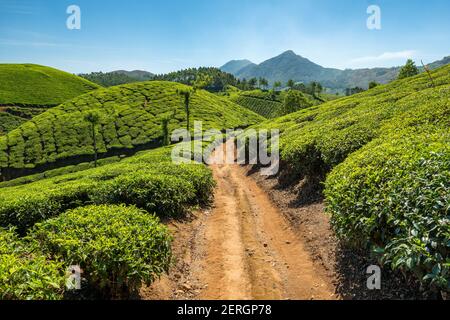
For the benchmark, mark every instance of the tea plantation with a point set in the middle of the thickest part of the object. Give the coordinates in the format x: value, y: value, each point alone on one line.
x: 388, y: 153
x: 267, y: 104
x: 27, y: 90
x: 34, y: 85
x: 129, y: 116
x: 119, y: 247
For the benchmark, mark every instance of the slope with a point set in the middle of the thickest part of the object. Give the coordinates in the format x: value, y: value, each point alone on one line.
x: 130, y: 117
x: 388, y: 153
x: 27, y: 90
x: 34, y: 85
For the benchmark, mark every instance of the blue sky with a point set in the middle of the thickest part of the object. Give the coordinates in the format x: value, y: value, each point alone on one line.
x: 162, y: 36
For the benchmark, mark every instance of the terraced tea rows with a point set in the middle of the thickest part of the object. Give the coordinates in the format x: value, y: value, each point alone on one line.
x: 118, y: 247
x: 392, y: 195
x: 130, y: 116
x: 27, y: 90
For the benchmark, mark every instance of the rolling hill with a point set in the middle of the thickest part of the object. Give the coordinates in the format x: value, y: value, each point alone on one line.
x: 27, y: 90
x: 35, y: 85
x: 289, y: 65
x: 130, y: 118
x: 266, y: 103
x: 384, y: 155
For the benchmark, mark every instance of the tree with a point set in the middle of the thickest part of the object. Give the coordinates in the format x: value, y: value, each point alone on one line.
x: 165, y: 131
x: 408, y: 70
x: 319, y: 88
x: 263, y: 83
x: 373, y: 84
x: 186, y: 94
x: 203, y: 80
x: 313, y: 88
x: 290, y: 84
x: 277, y: 85
x: 252, y: 83
x: 93, y: 118
x: 294, y: 101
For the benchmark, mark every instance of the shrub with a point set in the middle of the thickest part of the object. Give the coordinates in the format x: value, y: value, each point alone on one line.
x: 165, y: 194
x: 25, y: 274
x: 393, y: 196
x: 148, y: 180
x: 117, y: 247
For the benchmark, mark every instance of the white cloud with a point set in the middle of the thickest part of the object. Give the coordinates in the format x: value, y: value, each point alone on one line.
x: 386, y: 56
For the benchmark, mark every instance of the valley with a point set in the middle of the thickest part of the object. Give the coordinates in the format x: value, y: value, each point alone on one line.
x: 90, y: 180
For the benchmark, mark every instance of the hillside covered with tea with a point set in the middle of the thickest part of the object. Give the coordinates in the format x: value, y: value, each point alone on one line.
x: 385, y: 158
x: 27, y: 90
x: 128, y: 116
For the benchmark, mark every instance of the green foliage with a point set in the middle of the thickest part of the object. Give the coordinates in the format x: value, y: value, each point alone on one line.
x: 393, y: 196
x: 26, y: 274
x: 408, y: 70
x: 387, y: 150
x: 216, y: 80
x: 115, y: 78
x: 149, y: 180
x: 294, y: 101
x: 117, y: 247
x: 373, y: 84
x: 34, y: 85
x: 130, y: 116
x: 9, y: 122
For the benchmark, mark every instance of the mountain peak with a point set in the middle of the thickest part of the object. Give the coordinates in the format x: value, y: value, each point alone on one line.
x: 288, y: 53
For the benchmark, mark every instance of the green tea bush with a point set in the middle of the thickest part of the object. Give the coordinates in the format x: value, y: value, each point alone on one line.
x: 25, y: 273
x: 393, y: 196
x: 131, y: 116
x: 388, y: 153
x: 166, y: 194
x: 148, y: 180
x: 35, y: 85
x: 117, y: 247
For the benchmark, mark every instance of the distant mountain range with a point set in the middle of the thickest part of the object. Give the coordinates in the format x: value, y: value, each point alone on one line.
x: 289, y: 65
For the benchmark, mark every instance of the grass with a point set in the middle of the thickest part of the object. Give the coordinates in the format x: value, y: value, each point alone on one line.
x: 130, y: 116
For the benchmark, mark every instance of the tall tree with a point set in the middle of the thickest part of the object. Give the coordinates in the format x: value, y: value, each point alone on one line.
x: 93, y: 118
x: 252, y: 83
x: 319, y: 88
x: 277, y: 85
x: 290, y: 84
x: 186, y: 94
x: 408, y: 70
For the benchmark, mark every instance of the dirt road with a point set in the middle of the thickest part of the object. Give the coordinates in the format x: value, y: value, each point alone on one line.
x: 242, y: 249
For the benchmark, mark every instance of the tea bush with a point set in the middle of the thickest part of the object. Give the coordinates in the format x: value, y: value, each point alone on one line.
x: 393, y: 196
x: 117, y: 247
x: 35, y: 85
x: 148, y: 180
x: 25, y: 273
x: 130, y: 116
x: 388, y: 153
